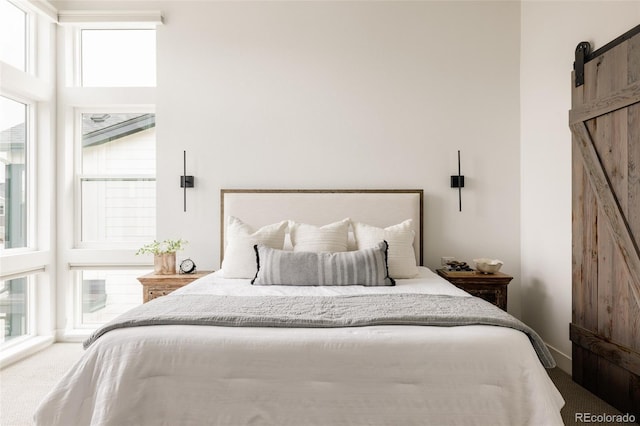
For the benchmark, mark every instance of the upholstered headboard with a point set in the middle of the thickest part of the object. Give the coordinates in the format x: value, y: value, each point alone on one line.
x: 382, y: 208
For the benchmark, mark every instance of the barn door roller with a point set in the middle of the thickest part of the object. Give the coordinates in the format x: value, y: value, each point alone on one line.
x: 582, y: 51
x: 584, y: 54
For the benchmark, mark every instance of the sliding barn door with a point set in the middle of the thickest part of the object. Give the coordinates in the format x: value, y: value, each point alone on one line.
x: 605, y: 127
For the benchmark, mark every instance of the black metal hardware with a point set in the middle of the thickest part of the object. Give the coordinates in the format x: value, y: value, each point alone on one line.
x: 185, y: 181
x: 457, y: 181
x: 613, y: 43
x: 582, y: 52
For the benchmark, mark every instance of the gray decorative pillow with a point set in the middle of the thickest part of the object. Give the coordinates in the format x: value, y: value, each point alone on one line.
x: 366, y: 267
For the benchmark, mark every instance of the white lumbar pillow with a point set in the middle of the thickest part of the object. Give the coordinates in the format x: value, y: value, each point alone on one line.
x: 239, y: 255
x: 401, y: 256
x: 328, y: 238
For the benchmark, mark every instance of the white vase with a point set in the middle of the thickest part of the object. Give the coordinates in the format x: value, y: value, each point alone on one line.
x: 164, y: 264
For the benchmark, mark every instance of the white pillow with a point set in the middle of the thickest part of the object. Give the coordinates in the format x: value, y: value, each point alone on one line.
x: 401, y: 256
x: 328, y: 238
x: 239, y: 255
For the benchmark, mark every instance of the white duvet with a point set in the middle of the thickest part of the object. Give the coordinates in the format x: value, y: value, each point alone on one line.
x: 381, y: 375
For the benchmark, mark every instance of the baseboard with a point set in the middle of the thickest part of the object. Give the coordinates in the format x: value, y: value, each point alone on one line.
x: 563, y: 360
x: 24, y: 349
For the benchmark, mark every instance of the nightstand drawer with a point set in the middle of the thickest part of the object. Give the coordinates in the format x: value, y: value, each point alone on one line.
x: 152, y: 293
x: 492, y: 295
x: 490, y: 287
x: 154, y: 286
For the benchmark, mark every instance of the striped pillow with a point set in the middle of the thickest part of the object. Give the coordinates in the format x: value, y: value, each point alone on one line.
x: 367, y: 267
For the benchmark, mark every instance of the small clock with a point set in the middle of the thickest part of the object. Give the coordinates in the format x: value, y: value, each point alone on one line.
x: 187, y: 266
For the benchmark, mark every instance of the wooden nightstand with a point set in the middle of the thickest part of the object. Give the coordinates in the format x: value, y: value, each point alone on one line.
x: 160, y: 285
x: 490, y: 287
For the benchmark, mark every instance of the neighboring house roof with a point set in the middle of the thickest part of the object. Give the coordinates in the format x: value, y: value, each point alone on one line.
x: 102, y: 128
x: 96, y: 129
x: 13, y: 138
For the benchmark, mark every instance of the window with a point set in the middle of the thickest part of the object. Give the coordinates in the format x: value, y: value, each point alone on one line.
x: 27, y: 180
x: 117, y: 182
x: 113, y: 172
x: 14, y: 309
x: 118, y: 58
x: 105, y: 294
x: 13, y: 174
x: 13, y: 35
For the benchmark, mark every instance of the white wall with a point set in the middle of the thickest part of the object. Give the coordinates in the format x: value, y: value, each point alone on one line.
x: 344, y: 95
x: 550, y: 33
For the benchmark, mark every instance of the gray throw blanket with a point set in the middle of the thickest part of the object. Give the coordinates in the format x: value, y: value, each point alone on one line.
x: 322, y: 312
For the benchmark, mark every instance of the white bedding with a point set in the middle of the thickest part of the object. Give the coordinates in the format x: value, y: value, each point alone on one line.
x: 427, y: 282
x: 381, y: 375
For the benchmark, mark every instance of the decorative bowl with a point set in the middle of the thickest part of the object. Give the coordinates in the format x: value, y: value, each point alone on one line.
x: 488, y: 266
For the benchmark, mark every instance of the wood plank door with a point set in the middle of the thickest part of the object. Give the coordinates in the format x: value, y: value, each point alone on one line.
x: 605, y: 127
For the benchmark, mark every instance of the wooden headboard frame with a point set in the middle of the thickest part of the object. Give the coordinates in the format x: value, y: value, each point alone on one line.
x: 378, y: 207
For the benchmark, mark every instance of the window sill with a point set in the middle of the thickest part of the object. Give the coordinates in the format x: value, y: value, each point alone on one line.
x: 24, y: 349
x: 23, y: 262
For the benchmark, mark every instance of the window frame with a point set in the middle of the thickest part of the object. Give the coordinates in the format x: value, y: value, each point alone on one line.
x: 79, y: 176
x: 80, y: 58
x: 73, y: 48
x: 31, y: 176
x: 75, y: 100
x: 31, y: 317
x: 29, y: 37
x: 78, y: 322
x: 35, y: 87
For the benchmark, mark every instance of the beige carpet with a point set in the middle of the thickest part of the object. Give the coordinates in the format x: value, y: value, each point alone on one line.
x: 24, y: 384
x: 578, y: 400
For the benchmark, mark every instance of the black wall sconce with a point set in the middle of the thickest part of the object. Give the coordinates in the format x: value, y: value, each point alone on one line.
x: 457, y: 181
x: 185, y: 181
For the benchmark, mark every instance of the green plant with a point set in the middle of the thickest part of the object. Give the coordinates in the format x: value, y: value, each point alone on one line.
x: 164, y: 247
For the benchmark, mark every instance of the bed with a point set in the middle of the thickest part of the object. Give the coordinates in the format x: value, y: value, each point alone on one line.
x: 290, y: 359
